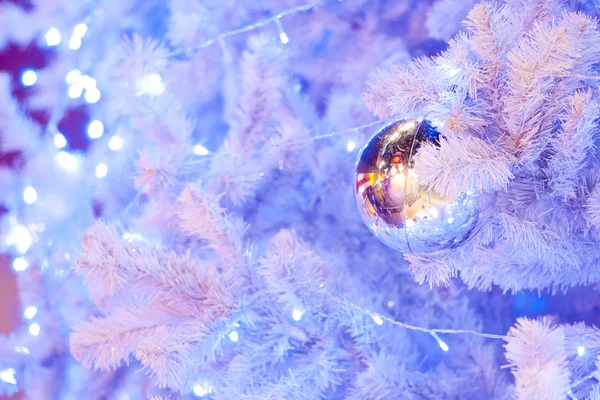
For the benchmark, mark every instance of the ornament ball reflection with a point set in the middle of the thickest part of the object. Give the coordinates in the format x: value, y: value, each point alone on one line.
x: 400, y: 211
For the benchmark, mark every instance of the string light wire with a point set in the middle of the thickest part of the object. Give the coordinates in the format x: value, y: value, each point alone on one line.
x: 272, y: 19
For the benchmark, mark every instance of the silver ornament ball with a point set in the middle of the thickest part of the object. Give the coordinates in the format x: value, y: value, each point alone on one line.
x: 400, y: 211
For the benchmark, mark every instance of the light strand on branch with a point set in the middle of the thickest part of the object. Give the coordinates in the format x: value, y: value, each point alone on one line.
x: 248, y: 28
x: 431, y: 331
x: 295, y: 142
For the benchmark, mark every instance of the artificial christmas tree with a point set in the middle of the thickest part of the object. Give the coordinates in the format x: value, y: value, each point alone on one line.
x: 203, y: 241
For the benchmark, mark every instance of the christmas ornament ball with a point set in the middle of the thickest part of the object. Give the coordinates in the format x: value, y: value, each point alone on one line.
x: 400, y: 211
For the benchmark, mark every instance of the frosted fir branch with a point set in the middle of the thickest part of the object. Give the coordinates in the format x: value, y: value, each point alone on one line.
x: 593, y: 208
x: 200, y: 216
x: 573, y: 143
x: 383, y: 378
x: 537, y: 356
x: 433, y: 269
x: 156, y: 171
x: 445, y: 16
x: 458, y: 70
x: 527, y: 235
x: 137, y: 57
x: 595, y: 393
x: 293, y: 272
x: 457, y: 115
x: 104, y: 343
x: 550, y: 50
x: 163, y: 120
x: 259, y: 96
x: 167, y: 358
x: 235, y: 173
x: 403, y: 89
x: 189, y: 21
x: 532, y: 11
x: 493, y: 31
x: 176, y: 285
x: 462, y: 164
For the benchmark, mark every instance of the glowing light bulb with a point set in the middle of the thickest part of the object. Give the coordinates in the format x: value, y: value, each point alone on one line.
x: 377, y: 319
x: 284, y: 38
x: 200, y: 150
x: 30, y: 312
x: 201, y: 389
x: 19, y: 237
x: 282, y: 35
x: 80, y: 30
x: 92, y: 95
x: 101, y: 170
x: 29, y: 195
x: 87, y: 82
x: 151, y: 84
x: 75, y: 43
x: 75, y: 91
x: 29, y: 77
x: 67, y: 161
x: 580, y: 351
x: 21, y: 349
x: 73, y: 76
x: 34, y: 329
x: 20, y: 264
x: 115, y: 143
x: 444, y: 346
x: 234, y: 336
x: 59, y: 140
x: 351, y: 145
x: 8, y: 376
x: 95, y: 129
x: 52, y: 37
x: 297, y: 314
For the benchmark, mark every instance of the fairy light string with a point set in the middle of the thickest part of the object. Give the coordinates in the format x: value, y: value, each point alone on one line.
x: 272, y: 19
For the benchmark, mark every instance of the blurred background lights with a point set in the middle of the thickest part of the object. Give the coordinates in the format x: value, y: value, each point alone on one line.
x: 29, y: 195
x: 92, y: 95
x: 75, y: 43
x: 152, y: 85
x: 29, y: 77
x: 21, y: 349
x: 201, y: 389
x: 34, y: 329
x: 115, y: 143
x: 377, y: 319
x: 580, y: 350
x: 95, y: 129
x: 8, y: 376
x: 67, y: 161
x: 87, y: 82
x: 20, y: 264
x: 234, y: 336
x: 30, y: 312
x: 75, y: 91
x: 200, y: 150
x: 52, y: 37
x: 73, y: 76
x: 80, y: 30
x: 59, y: 140
x: 351, y: 146
x: 297, y: 314
x: 19, y: 237
x: 101, y: 170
